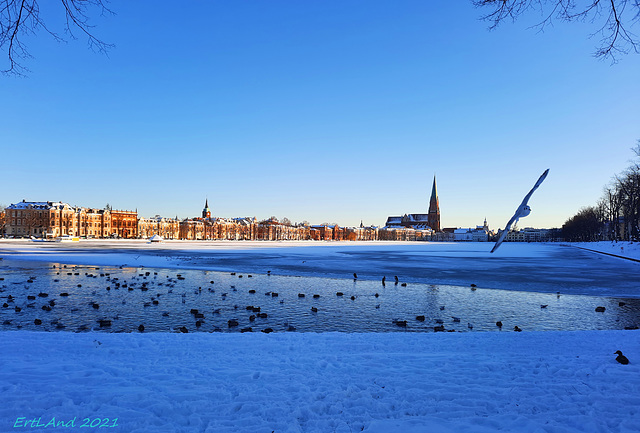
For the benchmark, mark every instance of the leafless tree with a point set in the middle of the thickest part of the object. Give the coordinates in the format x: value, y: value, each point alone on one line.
x: 617, y: 213
x: 609, y: 208
x: 3, y: 218
x: 286, y: 221
x: 629, y: 196
x: 20, y: 18
x: 620, y: 204
x: 612, y: 19
x: 32, y: 220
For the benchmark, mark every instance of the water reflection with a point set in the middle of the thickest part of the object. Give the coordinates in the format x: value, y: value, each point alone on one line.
x: 113, y: 299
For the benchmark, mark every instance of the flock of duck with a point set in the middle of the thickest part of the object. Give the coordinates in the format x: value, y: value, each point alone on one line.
x: 242, y: 318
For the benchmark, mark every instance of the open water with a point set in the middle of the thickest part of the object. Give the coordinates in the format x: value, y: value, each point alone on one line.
x: 64, y: 297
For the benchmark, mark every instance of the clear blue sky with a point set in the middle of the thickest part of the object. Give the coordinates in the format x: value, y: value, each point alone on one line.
x: 326, y: 111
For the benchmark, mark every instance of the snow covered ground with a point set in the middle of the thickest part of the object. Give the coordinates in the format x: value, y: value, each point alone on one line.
x: 622, y: 249
x: 331, y: 382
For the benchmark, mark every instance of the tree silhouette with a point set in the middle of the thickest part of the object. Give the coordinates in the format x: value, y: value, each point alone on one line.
x: 3, y: 218
x: 613, y: 19
x: 585, y: 226
x: 19, y: 18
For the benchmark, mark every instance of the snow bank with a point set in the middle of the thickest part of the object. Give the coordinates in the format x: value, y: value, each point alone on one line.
x: 482, y: 382
x: 622, y: 249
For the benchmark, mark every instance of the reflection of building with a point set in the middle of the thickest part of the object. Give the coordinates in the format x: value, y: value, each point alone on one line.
x: 419, y: 221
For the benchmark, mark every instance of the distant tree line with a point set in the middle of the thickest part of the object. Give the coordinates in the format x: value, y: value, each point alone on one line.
x: 616, y: 216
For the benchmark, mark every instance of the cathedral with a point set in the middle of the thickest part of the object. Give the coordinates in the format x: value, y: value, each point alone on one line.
x: 420, y: 221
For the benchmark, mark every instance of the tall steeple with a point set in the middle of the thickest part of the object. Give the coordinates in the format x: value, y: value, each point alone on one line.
x: 434, y: 208
x: 206, y: 212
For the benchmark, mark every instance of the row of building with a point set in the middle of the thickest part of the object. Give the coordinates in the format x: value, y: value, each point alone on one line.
x: 48, y: 220
x: 55, y: 219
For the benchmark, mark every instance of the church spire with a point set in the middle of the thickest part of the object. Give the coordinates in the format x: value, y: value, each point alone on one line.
x: 434, y: 190
x: 434, y: 208
x: 206, y: 212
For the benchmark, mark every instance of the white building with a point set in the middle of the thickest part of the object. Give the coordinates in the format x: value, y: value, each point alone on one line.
x: 527, y: 234
x: 479, y: 234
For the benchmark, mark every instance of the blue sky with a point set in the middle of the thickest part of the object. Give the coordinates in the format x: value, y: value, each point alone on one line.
x: 326, y: 111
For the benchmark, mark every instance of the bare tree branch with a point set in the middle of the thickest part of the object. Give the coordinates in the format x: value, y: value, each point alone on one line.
x: 614, y: 18
x: 19, y: 18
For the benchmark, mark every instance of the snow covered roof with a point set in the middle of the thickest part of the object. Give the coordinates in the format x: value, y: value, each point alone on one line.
x: 419, y: 217
x: 30, y: 205
x: 46, y: 205
x: 462, y: 230
x: 423, y: 226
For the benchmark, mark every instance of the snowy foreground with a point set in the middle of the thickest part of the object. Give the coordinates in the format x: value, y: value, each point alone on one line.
x: 288, y: 382
x: 328, y: 382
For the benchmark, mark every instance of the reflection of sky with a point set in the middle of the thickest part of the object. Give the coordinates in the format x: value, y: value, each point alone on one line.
x: 230, y: 295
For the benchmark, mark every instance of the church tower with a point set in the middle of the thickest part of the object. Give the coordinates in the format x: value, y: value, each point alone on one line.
x: 434, y: 208
x: 206, y: 212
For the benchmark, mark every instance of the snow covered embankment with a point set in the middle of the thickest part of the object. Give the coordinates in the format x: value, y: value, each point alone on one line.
x: 629, y: 250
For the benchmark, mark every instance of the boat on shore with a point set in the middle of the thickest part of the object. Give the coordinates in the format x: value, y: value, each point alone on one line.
x: 67, y: 238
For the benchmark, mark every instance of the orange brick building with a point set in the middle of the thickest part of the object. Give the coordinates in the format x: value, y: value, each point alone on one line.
x: 124, y: 224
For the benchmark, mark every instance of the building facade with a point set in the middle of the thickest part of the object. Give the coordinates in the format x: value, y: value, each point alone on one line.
x: 479, y: 234
x: 419, y: 221
x: 49, y: 219
x: 124, y: 224
x: 527, y: 235
x: 54, y: 219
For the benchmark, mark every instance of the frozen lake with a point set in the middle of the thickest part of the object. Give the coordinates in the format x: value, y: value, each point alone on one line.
x: 296, y: 288
x: 515, y: 266
x: 398, y: 379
